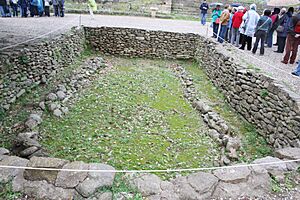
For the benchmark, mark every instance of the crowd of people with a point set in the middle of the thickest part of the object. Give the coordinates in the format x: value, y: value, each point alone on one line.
x: 12, y: 8
x: 239, y: 25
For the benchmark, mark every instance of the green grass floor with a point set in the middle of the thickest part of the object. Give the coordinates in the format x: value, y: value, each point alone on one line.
x: 135, y: 117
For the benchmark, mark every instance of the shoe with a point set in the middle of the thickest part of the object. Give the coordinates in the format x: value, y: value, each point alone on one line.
x: 292, y: 63
x: 242, y: 48
x: 284, y: 62
x: 261, y: 54
x: 293, y: 73
x: 275, y: 44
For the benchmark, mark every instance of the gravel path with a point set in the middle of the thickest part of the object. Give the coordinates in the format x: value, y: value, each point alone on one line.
x: 15, y: 30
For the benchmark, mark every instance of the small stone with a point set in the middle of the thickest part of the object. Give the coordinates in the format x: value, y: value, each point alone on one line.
x: 42, y: 105
x: 57, y: 113
x: 21, y: 93
x: 53, y: 106
x: 4, y: 151
x: 65, y: 110
x: 51, y: 97
x: 27, y: 152
x: 202, y: 107
x: 36, y: 117
x: 233, y: 143
x: 61, y: 95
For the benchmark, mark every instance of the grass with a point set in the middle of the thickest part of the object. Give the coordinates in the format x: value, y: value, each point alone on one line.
x: 254, y: 145
x: 121, y: 185
x: 134, y: 118
x: 7, y: 193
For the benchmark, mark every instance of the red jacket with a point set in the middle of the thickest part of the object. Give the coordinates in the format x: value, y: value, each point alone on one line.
x: 237, y: 19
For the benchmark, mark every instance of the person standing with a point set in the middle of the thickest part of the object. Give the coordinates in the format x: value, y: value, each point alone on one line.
x: 2, y: 7
x: 263, y: 26
x: 23, y: 7
x: 282, y: 30
x: 224, y: 19
x: 248, y: 27
x: 61, y: 7
x: 280, y: 15
x: 237, y: 20
x: 14, y: 6
x: 203, y: 12
x: 274, y: 18
x: 292, y: 40
x: 47, y: 7
x: 216, y: 13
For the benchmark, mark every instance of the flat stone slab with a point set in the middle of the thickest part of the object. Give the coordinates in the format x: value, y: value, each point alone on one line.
x: 7, y: 174
x: 66, y: 179
x: 272, y: 167
x: 147, y: 184
x: 40, y: 162
x: 202, y: 182
x: 233, y: 175
x: 288, y: 153
x: 4, y: 151
x: 184, y: 189
x: 102, y: 196
x: 96, y: 180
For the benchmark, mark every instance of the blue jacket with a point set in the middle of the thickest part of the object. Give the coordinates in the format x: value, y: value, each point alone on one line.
x: 285, y: 22
x: 264, y: 24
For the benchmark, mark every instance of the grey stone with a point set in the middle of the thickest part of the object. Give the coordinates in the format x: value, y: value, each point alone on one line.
x: 57, y: 113
x: 7, y: 174
x: 28, y: 151
x: 184, y: 189
x: 42, y: 105
x: 61, y: 95
x: 233, y: 175
x: 20, y: 93
x: 124, y: 196
x: 271, y: 168
x: 147, y: 184
x: 103, y: 196
x: 96, y: 180
x: 65, y: 110
x: 233, y: 143
x: 4, y: 151
x: 51, y: 97
x: 203, y: 183
x: 40, y: 162
x: 53, y: 106
x: 67, y: 179
x: 31, y: 124
x: 44, y: 190
x: 202, y: 107
x: 288, y: 153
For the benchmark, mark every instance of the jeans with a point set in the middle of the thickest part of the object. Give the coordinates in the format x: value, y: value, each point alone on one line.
x: 223, y: 31
x: 270, y: 38
x: 23, y: 11
x: 47, y: 11
x: 260, y: 36
x: 291, y: 49
x: 2, y: 11
x: 55, y: 8
x: 281, y: 44
x: 215, y: 29
x: 203, y: 18
x: 235, y: 36
x: 297, y: 71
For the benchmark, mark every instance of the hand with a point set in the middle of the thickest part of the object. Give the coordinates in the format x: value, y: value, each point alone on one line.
x: 297, y: 35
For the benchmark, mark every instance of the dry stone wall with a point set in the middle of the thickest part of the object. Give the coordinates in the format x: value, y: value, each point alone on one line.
x: 260, y: 99
x: 141, y: 43
x: 30, y: 66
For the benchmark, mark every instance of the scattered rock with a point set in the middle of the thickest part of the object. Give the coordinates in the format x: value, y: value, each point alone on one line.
x: 61, y: 95
x: 4, y: 151
x: 51, y: 97
x: 274, y: 169
x: 289, y: 153
x: 7, y: 174
x: 57, y: 113
x: 202, y: 107
x: 147, y: 184
x: 233, y: 175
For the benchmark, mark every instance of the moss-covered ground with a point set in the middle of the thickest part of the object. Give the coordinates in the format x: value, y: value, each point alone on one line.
x: 135, y: 117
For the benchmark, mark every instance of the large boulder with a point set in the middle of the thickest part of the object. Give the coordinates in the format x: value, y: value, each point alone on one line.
x: 7, y: 174
x: 41, y: 162
x: 70, y: 179
x: 233, y: 175
x: 96, y: 180
x: 147, y: 184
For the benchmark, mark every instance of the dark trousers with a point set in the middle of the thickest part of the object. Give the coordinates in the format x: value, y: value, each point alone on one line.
x: 33, y: 10
x: 292, y: 44
x: 247, y: 40
x: 15, y: 9
x: 260, y: 37
x: 281, y: 44
x: 24, y: 11
x: 55, y: 7
x: 215, y: 29
x: 47, y: 11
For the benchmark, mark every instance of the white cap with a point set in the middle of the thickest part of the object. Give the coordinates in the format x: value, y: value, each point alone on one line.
x: 240, y: 8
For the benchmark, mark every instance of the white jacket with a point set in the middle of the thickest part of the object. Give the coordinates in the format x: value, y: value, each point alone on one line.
x: 250, y: 20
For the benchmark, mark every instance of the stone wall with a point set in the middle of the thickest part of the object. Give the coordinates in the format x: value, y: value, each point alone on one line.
x: 261, y: 100
x: 28, y: 67
x: 141, y: 43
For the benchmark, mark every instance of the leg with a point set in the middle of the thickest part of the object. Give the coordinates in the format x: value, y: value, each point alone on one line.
x: 262, y: 44
x: 270, y: 39
x: 237, y: 38
x: 294, y: 50
x: 256, y: 43
x: 233, y: 36
x: 244, y: 38
x: 215, y: 30
x: 2, y: 11
x: 288, y: 49
x: 204, y: 18
x: 249, y: 43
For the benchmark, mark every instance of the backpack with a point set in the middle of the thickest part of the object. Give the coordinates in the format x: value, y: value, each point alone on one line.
x: 297, y: 27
